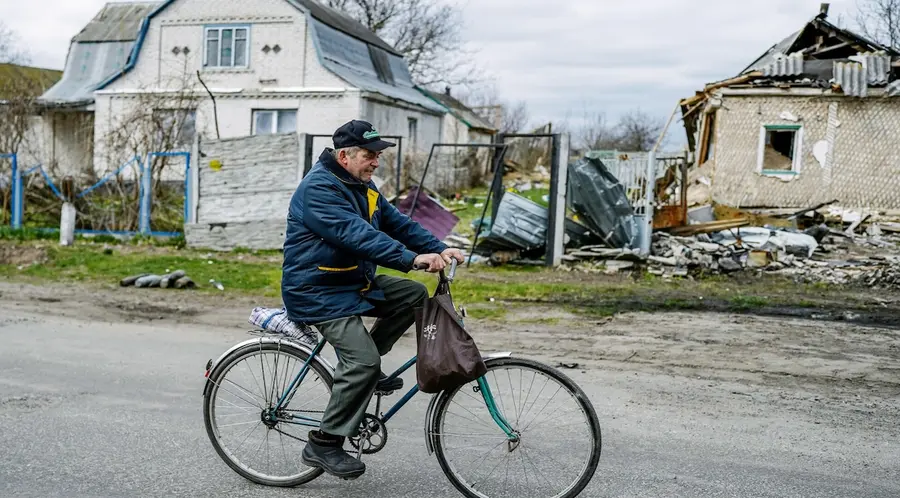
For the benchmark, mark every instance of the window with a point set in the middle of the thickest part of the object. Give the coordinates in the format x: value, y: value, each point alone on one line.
x: 174, y: 128
x: 267, y: 122
x: 226, y: 47
x: 780, y: 149
x: 413, y: 131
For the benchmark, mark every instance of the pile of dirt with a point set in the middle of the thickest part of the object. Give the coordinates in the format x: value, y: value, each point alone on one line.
x: 22, y: 256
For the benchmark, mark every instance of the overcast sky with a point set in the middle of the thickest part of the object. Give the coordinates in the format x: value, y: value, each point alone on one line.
x: 563, y: 57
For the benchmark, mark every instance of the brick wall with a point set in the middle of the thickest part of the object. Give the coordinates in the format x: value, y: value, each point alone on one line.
x: 860, y: 162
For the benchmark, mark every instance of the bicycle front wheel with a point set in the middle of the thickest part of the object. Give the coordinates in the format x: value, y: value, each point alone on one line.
x: 558, y: 445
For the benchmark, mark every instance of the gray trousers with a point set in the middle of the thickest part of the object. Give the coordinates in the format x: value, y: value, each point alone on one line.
x: 359, y: 352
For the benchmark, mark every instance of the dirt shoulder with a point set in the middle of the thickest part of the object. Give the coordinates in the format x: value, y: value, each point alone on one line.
x: 844, y: 361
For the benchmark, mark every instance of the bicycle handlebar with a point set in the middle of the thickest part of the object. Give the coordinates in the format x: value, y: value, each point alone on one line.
x: 453, y: 264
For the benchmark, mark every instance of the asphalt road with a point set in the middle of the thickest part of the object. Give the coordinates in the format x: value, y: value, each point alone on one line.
x: 114, y: 409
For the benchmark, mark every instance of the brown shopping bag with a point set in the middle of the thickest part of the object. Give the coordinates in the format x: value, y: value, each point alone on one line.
x: 447, y: 355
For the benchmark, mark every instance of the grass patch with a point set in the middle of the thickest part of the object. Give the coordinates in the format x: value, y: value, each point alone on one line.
x: 744, y: 303
x: 258, y: 273
x: 93, y: 263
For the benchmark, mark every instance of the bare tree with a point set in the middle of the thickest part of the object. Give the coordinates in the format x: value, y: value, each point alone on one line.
x: 638, y: 131
x: 17, y: 92
x: 425, y: 32
x: 508, y: 116
x: 880, y: 21
x: 635, y: 131
x: 11, y: 50
x: 595, y: 133
x: 148, y: 122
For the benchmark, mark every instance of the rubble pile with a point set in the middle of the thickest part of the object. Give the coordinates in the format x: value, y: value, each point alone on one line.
x: 819, y: 254
x: 874, y: 274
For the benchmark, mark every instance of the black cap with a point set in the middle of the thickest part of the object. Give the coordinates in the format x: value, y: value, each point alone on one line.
x: 358, y: 133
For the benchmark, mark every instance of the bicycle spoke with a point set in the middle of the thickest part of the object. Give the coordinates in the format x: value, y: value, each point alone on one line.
x: 485, y: 424
x: 476, y: 420
x: 239, y: 423
x: 542, y: 409
x: 512, y: 393
x: 527, y: 395
x: 247, y: 365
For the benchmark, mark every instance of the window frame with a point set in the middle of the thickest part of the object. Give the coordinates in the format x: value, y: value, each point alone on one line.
x: 796, y: 160
x: 220, y: 28
x: 276, y: 116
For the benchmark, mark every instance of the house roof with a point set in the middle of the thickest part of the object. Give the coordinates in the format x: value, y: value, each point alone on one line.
x: 460, y: 111
x: 343, y: 23
x: 835, y: 43
x: 116, y: 22
x: 99, y: 51
x: 109, y: 45
x: 16, y: 79
x: 819, y: 55
x: 367, y: 67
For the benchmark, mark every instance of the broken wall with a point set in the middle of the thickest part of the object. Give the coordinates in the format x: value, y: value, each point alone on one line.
x: 244, y: 201
x: 847, y: 151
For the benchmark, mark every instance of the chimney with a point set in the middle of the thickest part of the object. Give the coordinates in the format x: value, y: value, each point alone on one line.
x: 823, y: 10
x: 447, y: 90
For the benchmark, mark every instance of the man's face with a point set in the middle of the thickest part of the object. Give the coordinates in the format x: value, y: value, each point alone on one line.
x: 361, y: 165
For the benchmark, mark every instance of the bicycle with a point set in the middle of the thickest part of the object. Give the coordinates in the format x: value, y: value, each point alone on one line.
x: 506, y: 433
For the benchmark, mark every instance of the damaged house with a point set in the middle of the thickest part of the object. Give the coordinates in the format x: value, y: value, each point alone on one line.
x: 812, y: 120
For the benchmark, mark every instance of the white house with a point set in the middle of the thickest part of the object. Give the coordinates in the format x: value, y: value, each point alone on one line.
x: 271, y: 66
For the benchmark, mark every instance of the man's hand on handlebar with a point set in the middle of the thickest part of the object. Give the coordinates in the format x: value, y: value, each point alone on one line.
x: 453, y: 253
x: 431, y: 263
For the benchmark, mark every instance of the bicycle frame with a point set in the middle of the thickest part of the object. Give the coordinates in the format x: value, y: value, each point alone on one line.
x: 483, y: 387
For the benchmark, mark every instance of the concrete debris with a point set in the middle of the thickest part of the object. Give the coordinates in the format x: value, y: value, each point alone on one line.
x: 175, y: 280
x: 820, y: 254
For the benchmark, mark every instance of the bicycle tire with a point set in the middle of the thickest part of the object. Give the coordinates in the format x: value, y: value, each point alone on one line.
x: 238, y: 355
x: 446, y: 397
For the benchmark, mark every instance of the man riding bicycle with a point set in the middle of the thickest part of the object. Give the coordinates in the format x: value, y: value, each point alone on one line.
x: 339, y: 229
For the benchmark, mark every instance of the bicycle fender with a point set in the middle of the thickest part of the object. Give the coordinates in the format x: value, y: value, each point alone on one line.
x: 429, y: 413
x: 211, y: 365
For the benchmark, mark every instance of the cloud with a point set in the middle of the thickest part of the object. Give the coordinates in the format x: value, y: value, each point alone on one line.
x: 563, y: 57
x: 566, y: 57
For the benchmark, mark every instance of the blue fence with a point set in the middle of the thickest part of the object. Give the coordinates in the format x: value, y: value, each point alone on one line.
x: 143, y: 181
x: 15, y: 203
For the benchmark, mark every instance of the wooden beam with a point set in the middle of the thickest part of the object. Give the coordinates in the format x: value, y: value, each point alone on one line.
x: 833, y: 47
x: 731, y: 81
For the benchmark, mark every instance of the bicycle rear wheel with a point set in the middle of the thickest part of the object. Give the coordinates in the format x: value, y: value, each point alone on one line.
x: 559, y: 434
x: 256, y: 442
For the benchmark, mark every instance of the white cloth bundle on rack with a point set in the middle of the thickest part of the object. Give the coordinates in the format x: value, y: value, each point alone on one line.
x: 276, y: 320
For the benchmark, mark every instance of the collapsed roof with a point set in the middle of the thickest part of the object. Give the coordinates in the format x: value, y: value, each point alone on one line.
x: 819, y: 55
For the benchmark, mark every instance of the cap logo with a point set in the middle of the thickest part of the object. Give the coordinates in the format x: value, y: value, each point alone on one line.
x: 371, y: 134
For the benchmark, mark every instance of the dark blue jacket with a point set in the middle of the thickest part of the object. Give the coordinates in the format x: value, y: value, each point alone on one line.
x: 339, y: 230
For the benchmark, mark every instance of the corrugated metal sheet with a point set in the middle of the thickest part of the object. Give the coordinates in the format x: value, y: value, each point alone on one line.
x: 87, y: 65
x: 852, y: 78
x: 116, y: 22
x: 791, y: 65
x: 769, y: 57
x: 877, y: 65
x: 349, y: 58
x: 893, y: 90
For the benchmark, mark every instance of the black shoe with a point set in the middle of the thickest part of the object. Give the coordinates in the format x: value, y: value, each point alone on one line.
x: 386, y: 386
x: 325, y: 451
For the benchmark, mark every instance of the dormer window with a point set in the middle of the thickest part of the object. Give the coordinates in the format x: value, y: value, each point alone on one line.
x: 226, y: 46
